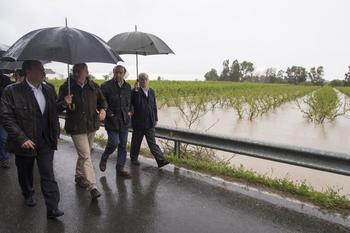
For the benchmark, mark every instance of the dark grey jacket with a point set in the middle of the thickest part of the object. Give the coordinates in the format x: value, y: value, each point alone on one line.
x: 119, y: 104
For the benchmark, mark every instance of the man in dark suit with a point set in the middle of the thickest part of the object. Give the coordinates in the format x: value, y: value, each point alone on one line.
x: 144, y: 119
x: 29, y: 115
x: 4, y: 155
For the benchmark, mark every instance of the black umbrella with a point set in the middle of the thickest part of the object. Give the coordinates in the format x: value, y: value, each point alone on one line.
x: 7, y: 67
x: 139, y: 43
x: 61, y: 44
x: 10, y: 67
x: 3, y: 49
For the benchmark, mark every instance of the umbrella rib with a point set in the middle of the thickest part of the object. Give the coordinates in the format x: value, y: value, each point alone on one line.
x: 155, y: 45
x: 26, y: 44
x: 68, y: 46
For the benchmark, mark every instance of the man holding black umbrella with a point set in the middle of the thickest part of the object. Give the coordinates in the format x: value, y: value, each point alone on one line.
x: 144, y: 119
x: 29, y: 115
x: 85, y: 106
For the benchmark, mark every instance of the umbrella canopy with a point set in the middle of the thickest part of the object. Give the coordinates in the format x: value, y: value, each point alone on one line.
x: 10, y: 67
x: 139, y: 43
x: 7, y: 67
x: 61, y: 44
x: 3, y: 49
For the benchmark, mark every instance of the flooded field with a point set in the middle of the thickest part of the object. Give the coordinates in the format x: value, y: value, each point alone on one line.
x: 286, y: 125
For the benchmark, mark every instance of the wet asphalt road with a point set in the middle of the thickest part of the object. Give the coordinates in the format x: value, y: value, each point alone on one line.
x: 152, y: 201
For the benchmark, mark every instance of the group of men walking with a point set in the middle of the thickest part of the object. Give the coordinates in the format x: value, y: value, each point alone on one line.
x: 29, y: 116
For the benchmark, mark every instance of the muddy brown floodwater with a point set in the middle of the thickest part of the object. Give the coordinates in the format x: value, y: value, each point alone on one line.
x: 286, y: 125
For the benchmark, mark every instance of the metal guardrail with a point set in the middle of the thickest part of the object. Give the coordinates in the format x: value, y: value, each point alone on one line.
x: 329, y: 161
x: 300, y: 156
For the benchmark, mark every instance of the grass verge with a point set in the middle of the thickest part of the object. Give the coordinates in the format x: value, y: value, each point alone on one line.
x: 330, y: 199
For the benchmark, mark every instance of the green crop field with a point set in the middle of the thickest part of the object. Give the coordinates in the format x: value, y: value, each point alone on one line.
x: 248, y: 100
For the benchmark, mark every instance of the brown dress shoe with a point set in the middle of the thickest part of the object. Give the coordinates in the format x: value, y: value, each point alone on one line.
x: 124, y: 174
x: 95, y: 194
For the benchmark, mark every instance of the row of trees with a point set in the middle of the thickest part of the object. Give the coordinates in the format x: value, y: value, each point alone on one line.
x: 244, y: 72
x: 340, y: 83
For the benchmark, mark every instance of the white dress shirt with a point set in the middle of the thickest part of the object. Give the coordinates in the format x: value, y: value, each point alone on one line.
x: 145, y: 90
x: 39, y: 96
x: 120, y: 84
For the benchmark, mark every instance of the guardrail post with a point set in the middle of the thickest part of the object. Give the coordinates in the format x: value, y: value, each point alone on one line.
x: 177, y: 148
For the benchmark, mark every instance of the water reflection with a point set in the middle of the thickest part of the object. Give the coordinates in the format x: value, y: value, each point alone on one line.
x: 134, y: 204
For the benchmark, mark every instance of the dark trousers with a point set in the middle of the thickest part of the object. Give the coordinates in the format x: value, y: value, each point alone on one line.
x: 136, y: 140
x: 49, y: 187
x: 4, y: 155
x: 117, y: 139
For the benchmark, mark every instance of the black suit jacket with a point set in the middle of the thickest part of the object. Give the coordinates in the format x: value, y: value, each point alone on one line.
x: 145, y: 109
x: 18, y: 114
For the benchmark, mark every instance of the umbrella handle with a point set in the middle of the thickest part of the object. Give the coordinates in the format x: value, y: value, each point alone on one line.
x: 68, y: 78
x: 71, y: 107
x: 137, y: 85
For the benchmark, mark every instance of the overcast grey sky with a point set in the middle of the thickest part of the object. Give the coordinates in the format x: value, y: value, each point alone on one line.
x: 269, y: 33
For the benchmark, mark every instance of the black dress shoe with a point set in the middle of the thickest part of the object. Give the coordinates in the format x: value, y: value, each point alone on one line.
x: 95, y: 194
x: 163, y: 163
x: 30, y: 201
x: 54, y: 213
x: 103, y: 165
x: 135, y: 162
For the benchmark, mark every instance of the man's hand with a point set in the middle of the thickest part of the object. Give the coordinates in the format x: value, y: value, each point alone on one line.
x: 130, y: 114
x: 28, y: 145
x: 101, y: 114
x: 68, y: 99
